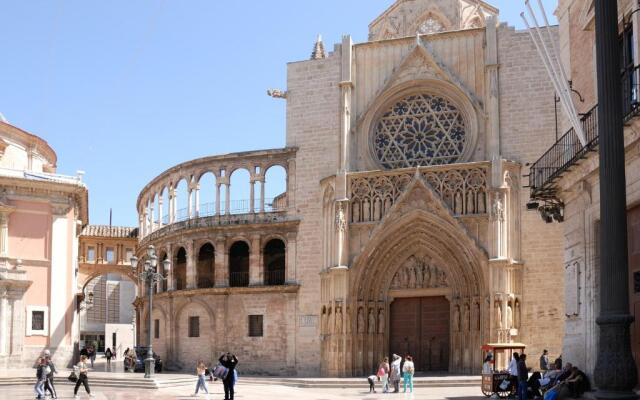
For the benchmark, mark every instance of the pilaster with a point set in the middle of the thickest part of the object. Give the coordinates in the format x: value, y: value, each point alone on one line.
x: 255, y: 269
x: 221, y: 269
x: 191, y: 266
x: 290, y: 258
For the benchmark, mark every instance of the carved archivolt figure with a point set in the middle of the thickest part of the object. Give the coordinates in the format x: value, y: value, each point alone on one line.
x: 417, y: 274
x: 331, y: 322
x: 516, y: 319
x: 360, y: 326
x: 467, y: 318
x: 372, y: 321
x: 323, y: 322
x: 381, y: 321
x: 456, y: 318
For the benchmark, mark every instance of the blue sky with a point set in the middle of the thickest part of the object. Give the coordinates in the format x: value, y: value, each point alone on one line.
x: 126, y: 89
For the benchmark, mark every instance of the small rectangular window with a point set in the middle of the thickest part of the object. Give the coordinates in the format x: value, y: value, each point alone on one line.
x: 255, y: 325
x: 194, y: 326
x: 91, y: 253
x: 156, y: 328
x: 37, y: 320
x: 110, y: 255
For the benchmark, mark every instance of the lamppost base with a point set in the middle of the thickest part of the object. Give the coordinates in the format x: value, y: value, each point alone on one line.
x: 149, y: 368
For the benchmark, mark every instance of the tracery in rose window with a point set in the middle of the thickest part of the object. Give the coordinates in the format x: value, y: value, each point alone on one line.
x: 419, y: 130
x: 430, y: 25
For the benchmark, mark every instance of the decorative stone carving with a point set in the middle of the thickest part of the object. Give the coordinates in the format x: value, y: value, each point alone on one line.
x: 456, y: 318
x: 509, y: 317
x: 347, y: 320
x: 372, y: 321
x: 572, y: 292
x: 464, y: 190
x: 422, y: 129
x: 360, y: 326
x: 498, y: 315
x: 516, y: 319
x: 341, y: 220
x: 381, y: 321
x: 466, y: 318
x: 419, y: 274
x: 338, y: 319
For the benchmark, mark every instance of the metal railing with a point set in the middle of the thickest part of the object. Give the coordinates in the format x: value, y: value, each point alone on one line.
x: 274, y: 277
x: 239, y: 278
x: 235, y: 207
x: 568, y: 150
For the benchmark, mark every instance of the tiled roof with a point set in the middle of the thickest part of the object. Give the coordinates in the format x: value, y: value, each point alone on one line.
x: 110, y: 231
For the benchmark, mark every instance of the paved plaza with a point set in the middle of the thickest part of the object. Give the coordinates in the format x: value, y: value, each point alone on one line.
x: 248, y: 391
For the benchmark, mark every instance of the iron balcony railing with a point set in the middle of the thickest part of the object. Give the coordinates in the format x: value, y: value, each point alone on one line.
x: 568, y: 150
x: 239, y: 278
x: 274, y: 277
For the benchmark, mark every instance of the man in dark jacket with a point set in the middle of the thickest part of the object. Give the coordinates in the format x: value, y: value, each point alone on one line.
x: 523, y: 376
x: 544, y: 361
x: 229, y: 361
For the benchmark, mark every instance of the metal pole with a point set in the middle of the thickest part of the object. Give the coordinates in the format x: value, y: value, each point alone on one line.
x: 148, y: 362
x: 615, y: 372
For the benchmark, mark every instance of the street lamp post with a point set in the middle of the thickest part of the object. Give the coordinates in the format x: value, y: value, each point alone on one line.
x: 151, y: 277
x: 615, y: 371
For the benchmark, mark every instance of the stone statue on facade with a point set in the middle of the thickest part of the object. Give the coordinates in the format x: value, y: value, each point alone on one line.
x: 360, y: 325
x: 366, y: 215
x: 356, y: 212
x: 509, y: 317
x: 372, y: 321
x: 498, y: 315
x: 338, y: 319
x: 456, y: 318
x: 381, y: 321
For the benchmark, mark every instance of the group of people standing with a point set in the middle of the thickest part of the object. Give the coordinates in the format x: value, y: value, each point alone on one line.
x: 225, y: 371
x: 390, y: 374
x: 45, y: 370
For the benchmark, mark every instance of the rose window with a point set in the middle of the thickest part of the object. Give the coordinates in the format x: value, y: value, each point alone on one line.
x: 419, y: 130
x: 430, y: 25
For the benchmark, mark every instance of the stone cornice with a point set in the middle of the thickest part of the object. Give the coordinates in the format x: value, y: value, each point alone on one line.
x: 28, y: 140
x: 227, y: 291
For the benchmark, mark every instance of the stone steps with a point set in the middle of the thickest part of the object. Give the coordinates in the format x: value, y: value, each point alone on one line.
x: 161, y: 382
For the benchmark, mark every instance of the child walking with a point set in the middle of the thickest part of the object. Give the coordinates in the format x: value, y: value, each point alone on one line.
x: 372, y: 385
x: 201, y: 368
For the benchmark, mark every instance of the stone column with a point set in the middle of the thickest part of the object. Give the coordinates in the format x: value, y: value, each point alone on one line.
x: 152, y: 222
x: 197, y: 190
x: 190, y: 206
x: 261, y: 180
x: 227, y: 195
x: 170, y: 281
x: 255, y: 269
x: 160, y: 211
x: 172, y: 205
x: 221, y: 269
x: 290, y: 258
x: 492, y: 91
x: 615, y: 373
x: 217, y: 198
x: 251, y: 194
x: 191, y: 266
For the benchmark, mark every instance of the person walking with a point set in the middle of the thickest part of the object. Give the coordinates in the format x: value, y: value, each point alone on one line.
x: 394, y: 375
x: 201, y: 369
x: 48, y: 384
x: 383, y: 374
x: 523, y: 376
x: 83, y: 370
x: 92, y: 355
x: 108, y: 354
x: 41, y: 378
x: 229, y: 361
x: 513, y: 370
x: 544, y: 361
x: 407, y: 373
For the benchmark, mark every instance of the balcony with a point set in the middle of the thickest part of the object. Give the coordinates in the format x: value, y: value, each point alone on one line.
x: 567, y: 151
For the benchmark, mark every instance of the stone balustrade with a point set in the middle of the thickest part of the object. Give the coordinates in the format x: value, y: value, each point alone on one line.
x: 153, y: 215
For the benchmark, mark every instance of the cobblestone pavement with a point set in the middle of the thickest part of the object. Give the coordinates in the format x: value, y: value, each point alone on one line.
x: 248, y: 391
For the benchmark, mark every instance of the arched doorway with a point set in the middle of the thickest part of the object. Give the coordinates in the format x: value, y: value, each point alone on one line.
x: 418, y: 286
x: 205, y: 267
x: 239, y: 264
x: 274, y: 262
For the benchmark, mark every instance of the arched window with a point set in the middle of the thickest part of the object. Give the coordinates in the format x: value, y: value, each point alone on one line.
x: 239, y: 264
x: 205, y: 267
x: 421, y: 129
x: 274, y: 260
x: 180, y: 270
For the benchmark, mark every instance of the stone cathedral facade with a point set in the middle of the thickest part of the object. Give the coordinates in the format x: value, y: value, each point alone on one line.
x: 403, y: 228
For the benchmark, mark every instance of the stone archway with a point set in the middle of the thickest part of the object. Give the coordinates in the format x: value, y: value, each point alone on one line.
x: 419, y: 232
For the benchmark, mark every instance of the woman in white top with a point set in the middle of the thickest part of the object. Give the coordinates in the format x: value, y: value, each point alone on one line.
x: 83, y: 369
x: 407, y: 373
x: 513, y: 369
x: 486, y: 366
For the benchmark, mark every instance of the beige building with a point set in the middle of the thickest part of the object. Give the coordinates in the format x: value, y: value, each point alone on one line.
x: 41, y: 214
x: 108, y: 285
x: 403, y: 226
x: 565, y: 179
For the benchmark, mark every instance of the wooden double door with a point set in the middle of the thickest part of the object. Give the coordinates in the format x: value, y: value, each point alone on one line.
x: 419, y: 326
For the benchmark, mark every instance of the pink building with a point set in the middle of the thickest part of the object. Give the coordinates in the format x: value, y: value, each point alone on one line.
x: 41, y: 216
